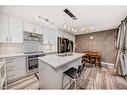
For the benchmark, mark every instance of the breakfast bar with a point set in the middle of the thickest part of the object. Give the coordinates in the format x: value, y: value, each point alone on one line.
x: 51, y: 70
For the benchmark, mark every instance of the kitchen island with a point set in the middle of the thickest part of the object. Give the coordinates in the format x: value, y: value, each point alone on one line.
x: 51, y: 70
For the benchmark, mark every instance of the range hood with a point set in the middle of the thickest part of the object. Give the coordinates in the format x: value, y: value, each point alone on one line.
x: 28, y: 36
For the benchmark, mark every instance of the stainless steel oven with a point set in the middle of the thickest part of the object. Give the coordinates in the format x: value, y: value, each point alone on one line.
x: 32, y: 63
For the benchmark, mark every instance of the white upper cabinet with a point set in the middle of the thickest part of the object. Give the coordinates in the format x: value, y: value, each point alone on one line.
x: 46, y: 35
x: 15, y: 31
x: 28, y: 27
x: 3, y: 28
x: 38, y: 29
x: 10, y: 30
x: 32, y: 28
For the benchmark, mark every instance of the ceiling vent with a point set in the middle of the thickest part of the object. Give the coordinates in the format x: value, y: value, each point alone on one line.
x: 70, y: 14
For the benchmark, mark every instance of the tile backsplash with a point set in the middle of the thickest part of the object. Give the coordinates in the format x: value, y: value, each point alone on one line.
x: 19, y: 48
x: 11, y: 48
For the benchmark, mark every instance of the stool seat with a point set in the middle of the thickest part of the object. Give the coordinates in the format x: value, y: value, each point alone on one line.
x: 72, y: 72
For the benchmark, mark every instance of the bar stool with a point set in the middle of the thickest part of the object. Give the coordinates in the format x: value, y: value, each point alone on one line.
x: 74, y: 73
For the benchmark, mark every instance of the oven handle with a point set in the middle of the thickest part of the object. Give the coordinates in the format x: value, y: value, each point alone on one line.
x: 31, y: 58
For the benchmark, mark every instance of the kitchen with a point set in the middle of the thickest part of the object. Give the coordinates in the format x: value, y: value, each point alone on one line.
x: 35, y: 50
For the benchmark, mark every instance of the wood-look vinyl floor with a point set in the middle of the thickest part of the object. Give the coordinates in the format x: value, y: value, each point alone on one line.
x: 100, y: 78
x: 91, y: 78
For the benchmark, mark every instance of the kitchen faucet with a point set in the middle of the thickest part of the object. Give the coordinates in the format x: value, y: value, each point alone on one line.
x: 70, y: 47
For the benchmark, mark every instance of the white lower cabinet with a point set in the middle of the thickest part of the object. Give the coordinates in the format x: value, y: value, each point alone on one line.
x: 10, y: 30
x: 16, y: 67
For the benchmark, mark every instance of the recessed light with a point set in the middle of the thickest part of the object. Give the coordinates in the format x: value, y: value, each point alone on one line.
x: 75, y: 31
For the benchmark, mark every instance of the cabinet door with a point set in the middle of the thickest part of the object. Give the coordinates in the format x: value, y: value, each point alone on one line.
x: 14, y: 63
x: 38, y: 29
x: 28, y: 27
x: 15, y: 31
x: 16, y: 67
x: 46, y: 35
x: 3, y: 28
x: 11, y: 75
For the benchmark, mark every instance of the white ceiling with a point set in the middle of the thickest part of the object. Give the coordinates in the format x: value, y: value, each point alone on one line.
x: 97, y: 17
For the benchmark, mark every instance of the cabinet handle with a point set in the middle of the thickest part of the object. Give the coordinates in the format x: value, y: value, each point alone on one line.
x: 7, y: 39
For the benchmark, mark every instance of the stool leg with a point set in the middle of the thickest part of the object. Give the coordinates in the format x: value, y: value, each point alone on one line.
x: 70, y: 82
x: 62, y: 81
x: 75, y: 83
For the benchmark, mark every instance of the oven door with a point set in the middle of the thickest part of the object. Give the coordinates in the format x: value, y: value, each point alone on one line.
x: 32, y: 65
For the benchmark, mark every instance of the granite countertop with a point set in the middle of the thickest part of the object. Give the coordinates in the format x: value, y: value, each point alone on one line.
x: 56, y: 61
x: 22, y: 54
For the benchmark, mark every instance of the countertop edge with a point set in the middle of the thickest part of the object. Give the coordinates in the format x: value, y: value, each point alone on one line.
x: 22, y: 54
x: 61, y: 64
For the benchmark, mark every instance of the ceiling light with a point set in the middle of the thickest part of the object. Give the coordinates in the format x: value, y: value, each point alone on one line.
x: 91, y: 37
x: 75, y: 31
x: 69, y: 14
x: 47, y: 21
x: 87, y: 29
x: 65, y: 26
x: 52, y: 25
x: 72, y: 29
x: 38, y: 18
x: 69, y: 28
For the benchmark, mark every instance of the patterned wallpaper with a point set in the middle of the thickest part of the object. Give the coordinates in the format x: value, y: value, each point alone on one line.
x: 102, y: 42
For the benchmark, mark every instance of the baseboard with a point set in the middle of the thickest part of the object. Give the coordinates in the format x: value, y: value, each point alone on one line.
x: 105, y: 64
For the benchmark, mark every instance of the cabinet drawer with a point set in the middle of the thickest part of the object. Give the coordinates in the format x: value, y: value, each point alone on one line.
x: 15, y: 74
x: 16, y: 63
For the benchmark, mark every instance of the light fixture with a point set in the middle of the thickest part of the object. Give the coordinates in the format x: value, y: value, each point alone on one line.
x: 69, y: 28
x: 38, y: 19
x: 91, y: 38
x: 87, y: 29
x: 68, y: 25
x: 65, y: 26
x: 52, y: 25
x: 72, y: 29
x: 47, y: 21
